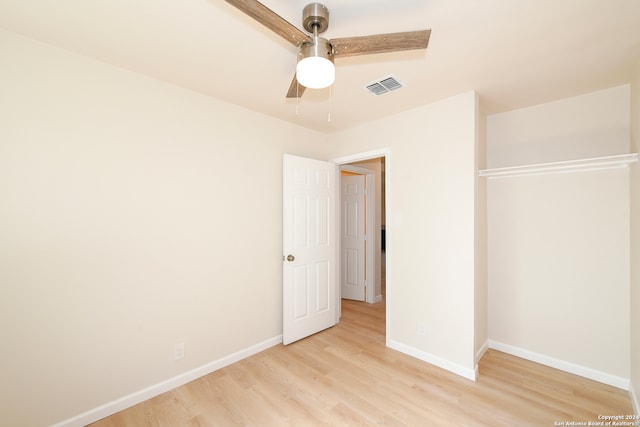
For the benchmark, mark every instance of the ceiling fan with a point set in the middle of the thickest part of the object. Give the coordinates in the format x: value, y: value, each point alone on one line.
x: 315, y: 67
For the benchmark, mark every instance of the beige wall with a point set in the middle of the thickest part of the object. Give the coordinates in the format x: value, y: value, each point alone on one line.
x: 635, y: 241
x: 430, y: 188
x: 126, y: 228
x: 557, y: 131
x: 559, y: 243
x: 558, y: 268
x: 122, y: 234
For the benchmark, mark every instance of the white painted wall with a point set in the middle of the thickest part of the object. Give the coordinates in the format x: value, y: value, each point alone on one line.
x: 120, y: 233
x: 591, y: 125
x: 128, y: 223
x: 635, y: 242
x: 430, y: 226
x: 559, y: 244
x: 558, y: 267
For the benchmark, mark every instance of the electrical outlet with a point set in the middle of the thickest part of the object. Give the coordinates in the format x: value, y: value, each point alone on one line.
x: 422, y: 330
x: 178, y: 351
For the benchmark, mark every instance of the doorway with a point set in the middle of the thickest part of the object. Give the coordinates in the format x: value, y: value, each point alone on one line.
x: 317, y: 221
x: 377, y: 161
x: 363, y: 230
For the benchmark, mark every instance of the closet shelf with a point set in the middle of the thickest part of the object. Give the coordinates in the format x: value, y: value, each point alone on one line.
x: 596, y: 163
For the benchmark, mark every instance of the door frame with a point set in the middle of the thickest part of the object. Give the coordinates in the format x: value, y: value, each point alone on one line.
x: 371, y: 239
x: 368, y: 155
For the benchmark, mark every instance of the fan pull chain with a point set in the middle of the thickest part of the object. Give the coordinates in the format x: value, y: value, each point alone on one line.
x: 295, y: 76
x: 330, y: 103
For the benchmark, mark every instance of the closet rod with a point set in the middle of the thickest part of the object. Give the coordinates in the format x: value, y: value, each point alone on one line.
x: 596, y: 163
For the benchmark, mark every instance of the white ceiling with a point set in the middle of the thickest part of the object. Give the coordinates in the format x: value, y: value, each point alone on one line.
x: 515, y: 53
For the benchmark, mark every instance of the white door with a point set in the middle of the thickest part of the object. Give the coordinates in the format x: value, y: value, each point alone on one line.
x: 310, y: 247
x: 353, y: 233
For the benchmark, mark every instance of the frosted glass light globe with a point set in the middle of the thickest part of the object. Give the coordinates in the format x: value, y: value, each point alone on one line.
x: 315, y: 72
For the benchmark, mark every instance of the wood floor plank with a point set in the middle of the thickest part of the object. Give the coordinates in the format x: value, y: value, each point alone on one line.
x: 347, y: 376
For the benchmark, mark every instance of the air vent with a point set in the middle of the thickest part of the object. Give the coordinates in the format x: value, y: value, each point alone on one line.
x: 384, y: 85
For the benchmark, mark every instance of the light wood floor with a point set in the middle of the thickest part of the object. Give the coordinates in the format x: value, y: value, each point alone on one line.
x: 346, y: 376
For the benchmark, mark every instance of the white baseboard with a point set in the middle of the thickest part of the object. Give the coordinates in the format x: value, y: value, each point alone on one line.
x: 482, y: 351
x: 634, y: 398
x: 562, y: 365
x: 434, y: 360
x: 164, y: 386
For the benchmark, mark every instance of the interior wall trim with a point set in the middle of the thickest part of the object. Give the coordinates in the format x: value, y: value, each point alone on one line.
x: 595, y: 163
x: 572, y: 368
x: 634, y: 399
x: 463, y: 371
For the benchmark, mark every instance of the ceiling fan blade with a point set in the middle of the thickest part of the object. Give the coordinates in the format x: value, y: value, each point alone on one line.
x: 380, y: 43
x: 295, y: 89
x: 271, y: 20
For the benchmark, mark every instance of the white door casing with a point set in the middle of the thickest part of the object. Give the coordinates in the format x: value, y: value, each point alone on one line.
x: 310, y: 261
x: 353, y: 234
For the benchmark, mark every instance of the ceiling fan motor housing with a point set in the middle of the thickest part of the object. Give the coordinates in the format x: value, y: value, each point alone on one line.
x: 319, y: 47
x: 315, y: 18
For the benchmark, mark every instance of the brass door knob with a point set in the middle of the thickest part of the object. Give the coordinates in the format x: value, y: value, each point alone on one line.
x: 290, y: 258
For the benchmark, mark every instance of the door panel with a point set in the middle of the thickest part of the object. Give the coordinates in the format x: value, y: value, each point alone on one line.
x: 323, y: 287
x: 353, y: 280
x: 309, y: 236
